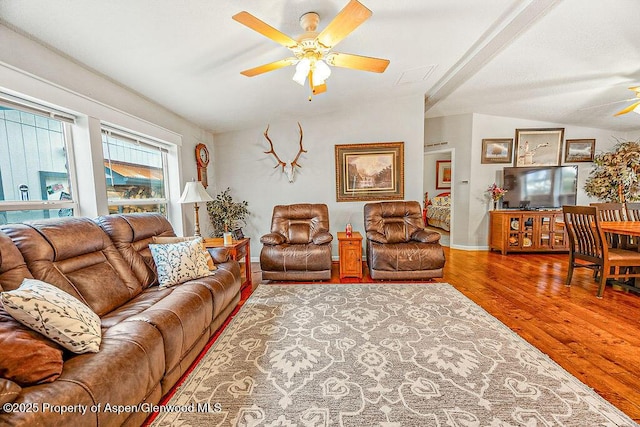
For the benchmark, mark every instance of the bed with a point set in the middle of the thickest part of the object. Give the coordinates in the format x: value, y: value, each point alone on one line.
x: 439, y: 211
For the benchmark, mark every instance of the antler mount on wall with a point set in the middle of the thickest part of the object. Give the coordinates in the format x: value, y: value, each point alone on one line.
x: 287, y: 169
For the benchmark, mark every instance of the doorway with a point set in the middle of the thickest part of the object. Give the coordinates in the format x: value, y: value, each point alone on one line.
x: 438, y: 193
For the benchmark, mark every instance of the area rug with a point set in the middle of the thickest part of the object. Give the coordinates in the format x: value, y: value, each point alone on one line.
x: 384, y: 355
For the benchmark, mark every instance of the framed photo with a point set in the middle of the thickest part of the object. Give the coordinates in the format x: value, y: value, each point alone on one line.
x: 370, y: 171
x: 443, y: 174
x: 237, y: 234
x: 538, y: 147
x: 579, y: 150
x: 497, y: 150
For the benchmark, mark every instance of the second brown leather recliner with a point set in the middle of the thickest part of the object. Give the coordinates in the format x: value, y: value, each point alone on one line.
x: 398, y: 246
x: 299, y: 244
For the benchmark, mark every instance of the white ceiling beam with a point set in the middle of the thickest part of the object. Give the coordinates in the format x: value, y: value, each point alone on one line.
x: 507, y: 28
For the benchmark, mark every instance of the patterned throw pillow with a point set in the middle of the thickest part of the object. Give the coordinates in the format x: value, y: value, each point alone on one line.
x: 178, y: 262
x: 55, y: 314
x: 162, y: 240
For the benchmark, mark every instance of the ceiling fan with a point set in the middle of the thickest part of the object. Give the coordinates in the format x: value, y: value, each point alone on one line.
x: 312, y: 50
x: 633, y: 107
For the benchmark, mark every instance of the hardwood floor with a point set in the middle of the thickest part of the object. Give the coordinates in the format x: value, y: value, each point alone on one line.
x: 596, y: 340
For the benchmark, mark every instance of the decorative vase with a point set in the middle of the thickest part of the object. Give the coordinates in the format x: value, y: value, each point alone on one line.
x: 495, y: 205
x: 227, y: 238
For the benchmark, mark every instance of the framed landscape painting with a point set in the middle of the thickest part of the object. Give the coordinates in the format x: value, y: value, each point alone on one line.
x: 497, y: 150
x: 443, y: 174
x: 370, y: 171
x: 538, y: 147
x: 579, y: 150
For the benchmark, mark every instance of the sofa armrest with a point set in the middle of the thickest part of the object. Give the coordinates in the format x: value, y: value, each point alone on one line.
x: 322, y: 238
x: 425, y: 236
x: 374, y: 236
x: 273, y: 239
x: 219, y: 255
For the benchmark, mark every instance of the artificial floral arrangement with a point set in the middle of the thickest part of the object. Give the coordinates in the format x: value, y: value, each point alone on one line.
x: 225, y: 214
x: 496, y: 193
x: 614, y: 177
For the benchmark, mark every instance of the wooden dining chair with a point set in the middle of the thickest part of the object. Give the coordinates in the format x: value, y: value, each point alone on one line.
x: 588, y: 248
x: 612, y: 212
x: 633, y: 211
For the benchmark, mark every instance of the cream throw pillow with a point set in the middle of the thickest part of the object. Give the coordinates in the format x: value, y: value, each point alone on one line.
x: 179, y: 262
x: 162, y: 240
x: 55, y: 314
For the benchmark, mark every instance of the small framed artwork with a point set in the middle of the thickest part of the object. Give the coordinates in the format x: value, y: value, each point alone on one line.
x: 538, y: 147
x: 237, y: 234
x: 443, y: 174
x: 497, y: 150
x: 579, y: 150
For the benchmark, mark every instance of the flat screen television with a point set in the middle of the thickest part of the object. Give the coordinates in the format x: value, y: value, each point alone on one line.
x: 541, y: 187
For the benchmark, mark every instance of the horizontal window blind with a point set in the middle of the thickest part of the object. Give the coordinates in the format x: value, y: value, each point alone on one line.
x: 17, y: 103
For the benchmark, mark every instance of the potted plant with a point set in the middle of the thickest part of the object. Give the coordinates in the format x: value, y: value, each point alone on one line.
x: 614, y: 177
x: 225, y: 214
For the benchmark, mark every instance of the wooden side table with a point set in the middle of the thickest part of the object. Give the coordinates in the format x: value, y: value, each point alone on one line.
x: 350, y: 254
x: 239, y: 250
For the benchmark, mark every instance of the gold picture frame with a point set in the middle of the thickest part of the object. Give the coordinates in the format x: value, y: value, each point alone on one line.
x: 366, y: 172
x: 538, y: 147
x: 497, y: 150
x: 579, y: 150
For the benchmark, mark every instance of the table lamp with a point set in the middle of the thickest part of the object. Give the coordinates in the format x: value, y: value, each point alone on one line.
x: 195, y: 193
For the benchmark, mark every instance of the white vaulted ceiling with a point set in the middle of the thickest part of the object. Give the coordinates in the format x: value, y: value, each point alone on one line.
x: 563, y: 61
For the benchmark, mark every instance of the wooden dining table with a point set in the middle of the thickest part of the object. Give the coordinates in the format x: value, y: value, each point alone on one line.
x: 623, y: 228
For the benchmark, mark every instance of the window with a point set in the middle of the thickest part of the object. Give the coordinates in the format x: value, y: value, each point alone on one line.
x: 36, y: 173
x: 135, y: 171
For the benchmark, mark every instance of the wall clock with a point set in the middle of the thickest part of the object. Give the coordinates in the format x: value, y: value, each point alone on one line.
x: 202, y: 161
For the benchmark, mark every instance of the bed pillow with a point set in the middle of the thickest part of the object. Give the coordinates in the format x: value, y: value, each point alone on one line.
x: 162, y: 240
x: 27, y: 357
x: 441, y: 201
x: 179, y: 262
x: 55, y: 314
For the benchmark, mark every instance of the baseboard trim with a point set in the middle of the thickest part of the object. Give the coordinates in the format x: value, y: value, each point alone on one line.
x: 470, y: 248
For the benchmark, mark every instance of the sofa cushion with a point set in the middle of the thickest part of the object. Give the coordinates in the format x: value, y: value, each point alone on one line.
x: 77, y: 256
x: 55, y: 314
x: 27, y: 356
x: 13, y: 268
x: 131, y: 235
x: 178, y: 262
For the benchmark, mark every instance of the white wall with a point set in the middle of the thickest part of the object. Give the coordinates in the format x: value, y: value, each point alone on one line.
x: 251, y: 175
x: 466, y: 132
x: 30, y: 70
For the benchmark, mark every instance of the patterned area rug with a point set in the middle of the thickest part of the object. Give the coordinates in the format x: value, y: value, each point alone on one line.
x: 388, y: 355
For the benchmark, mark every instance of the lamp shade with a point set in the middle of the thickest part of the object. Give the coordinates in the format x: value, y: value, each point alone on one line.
x: 194, y: 192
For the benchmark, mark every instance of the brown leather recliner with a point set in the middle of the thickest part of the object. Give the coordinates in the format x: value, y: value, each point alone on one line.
x: 398, y: 247
x: 299, y: 244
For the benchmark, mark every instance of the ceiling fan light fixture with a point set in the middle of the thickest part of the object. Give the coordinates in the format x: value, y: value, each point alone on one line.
x: 302, y: 70
x: 321, y: 72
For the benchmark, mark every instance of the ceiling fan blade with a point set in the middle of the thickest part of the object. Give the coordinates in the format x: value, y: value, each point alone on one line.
x: 628, y: 109
x: 268, y: 67
x: 245, y: 18
x: 364, y: 63
x: 347, y: 20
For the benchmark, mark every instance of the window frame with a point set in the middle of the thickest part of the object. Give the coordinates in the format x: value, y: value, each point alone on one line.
x: 162, y: 148
x: 66, y: 121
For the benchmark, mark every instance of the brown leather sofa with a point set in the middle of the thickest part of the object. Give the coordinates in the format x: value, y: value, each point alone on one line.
x: 150, y: 336
x: 299, y: 244
x: 397, y: 245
